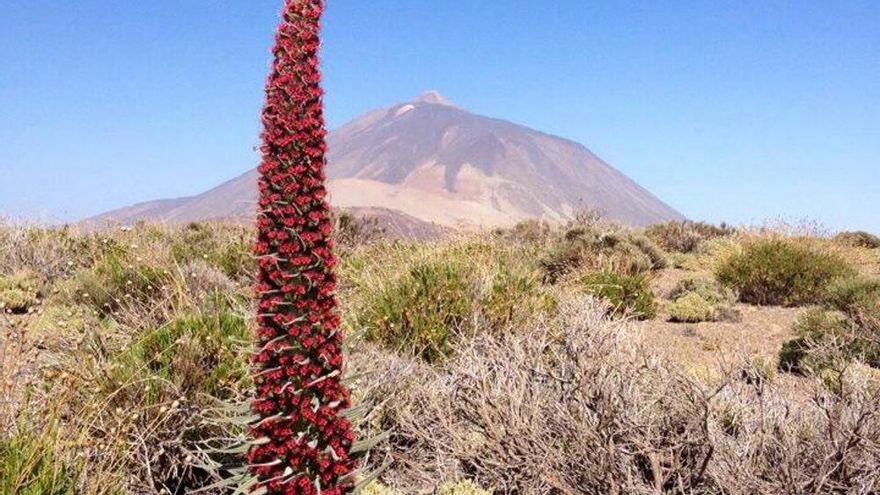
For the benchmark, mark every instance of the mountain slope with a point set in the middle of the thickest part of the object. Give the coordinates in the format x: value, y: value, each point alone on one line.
x: 431, y: 162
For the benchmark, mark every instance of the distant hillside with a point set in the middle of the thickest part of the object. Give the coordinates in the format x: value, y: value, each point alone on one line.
x: 428, y: 163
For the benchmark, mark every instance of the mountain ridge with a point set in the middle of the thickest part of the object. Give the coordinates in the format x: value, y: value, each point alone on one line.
x: 433, y: 162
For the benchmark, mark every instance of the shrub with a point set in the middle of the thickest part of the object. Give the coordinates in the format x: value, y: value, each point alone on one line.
x: 583, y: 248
x: 818, y: 334
x: 781, y: 272
x: 698, y: 299
x: 579, y: 403
x: 685, y: 236
x: 858, y: 297
x: 187, y: 357
x: 692, y: 308
x: 18, y: 293
x: 422, y: 310
x: 858, y: 239
x: 848, y: 327
x: 626, y: 294
x: 512, y: 296
x: 351, y: 231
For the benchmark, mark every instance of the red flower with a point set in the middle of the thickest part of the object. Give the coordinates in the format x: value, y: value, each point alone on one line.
x: 298, y: 359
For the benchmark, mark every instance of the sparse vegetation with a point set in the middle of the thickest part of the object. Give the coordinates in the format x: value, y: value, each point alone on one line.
x: 685, y: 236
x: 133, y: 399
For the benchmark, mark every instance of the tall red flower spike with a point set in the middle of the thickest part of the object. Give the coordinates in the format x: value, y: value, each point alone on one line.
x: 302, y: 442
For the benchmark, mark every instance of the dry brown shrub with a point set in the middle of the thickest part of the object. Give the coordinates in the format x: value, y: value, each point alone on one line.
x: 575, y: 406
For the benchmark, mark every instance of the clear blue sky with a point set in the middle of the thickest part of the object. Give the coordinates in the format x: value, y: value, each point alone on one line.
x: 735, y: 110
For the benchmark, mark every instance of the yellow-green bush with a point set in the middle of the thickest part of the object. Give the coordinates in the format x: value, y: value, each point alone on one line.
x: 698, y: 299
x: 466, y: 487
x: 692, y: 308
x: 376, y: 488
x: 781, y: 272
x: 18, y: 293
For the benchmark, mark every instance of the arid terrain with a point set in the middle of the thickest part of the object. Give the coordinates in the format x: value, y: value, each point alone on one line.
x: 536, y: 359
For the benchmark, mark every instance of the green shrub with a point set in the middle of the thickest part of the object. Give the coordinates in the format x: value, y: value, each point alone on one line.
x: 421, y: 310
x: 781, y: 272
x: 858, y: 239
x: 512, y: 296
x: 858, y: 297
x: 626, y: 294
x: 190, y: 356
x: 685, y: 236
x: 848, y: 327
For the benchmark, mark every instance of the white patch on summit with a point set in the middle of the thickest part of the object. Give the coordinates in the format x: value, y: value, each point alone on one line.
x: 402, y: 110
x: 433, y: 97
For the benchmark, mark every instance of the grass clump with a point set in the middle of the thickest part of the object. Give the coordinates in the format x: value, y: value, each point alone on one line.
x: 224, y: 247
x: 61, y: 327
x: 781, y: 272
x: 421, y: 299
x: 858, y: 238
x: 685, y: 236
x: 117, y: 279
x: 30, y: 465
x: 626, y: 294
